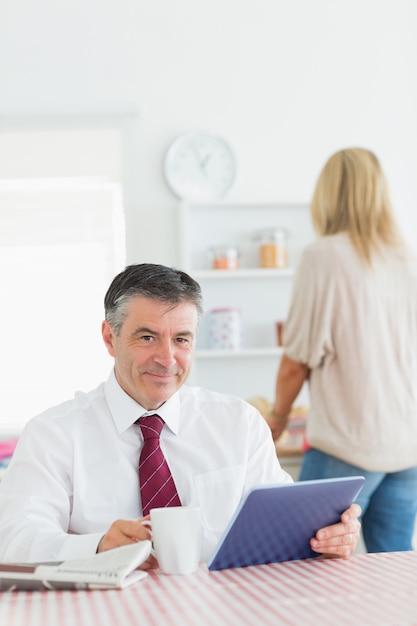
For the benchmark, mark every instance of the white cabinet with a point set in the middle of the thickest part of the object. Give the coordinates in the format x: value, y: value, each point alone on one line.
x: 261, y: 295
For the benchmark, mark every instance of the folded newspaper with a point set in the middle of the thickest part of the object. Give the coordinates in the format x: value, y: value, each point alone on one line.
x: 112, y: 569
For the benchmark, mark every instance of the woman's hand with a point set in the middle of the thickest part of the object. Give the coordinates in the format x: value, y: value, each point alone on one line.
x: 277, y: 424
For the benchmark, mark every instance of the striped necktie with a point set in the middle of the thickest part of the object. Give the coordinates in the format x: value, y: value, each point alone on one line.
x: 157, y: 487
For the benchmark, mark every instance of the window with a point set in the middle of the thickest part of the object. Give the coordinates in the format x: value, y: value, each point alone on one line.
x: 62, y: 241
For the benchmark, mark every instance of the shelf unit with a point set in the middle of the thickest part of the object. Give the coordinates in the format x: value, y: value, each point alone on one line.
x: 261, y: 294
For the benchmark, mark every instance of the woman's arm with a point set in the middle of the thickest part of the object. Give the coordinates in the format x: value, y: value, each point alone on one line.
x: 290, y: 378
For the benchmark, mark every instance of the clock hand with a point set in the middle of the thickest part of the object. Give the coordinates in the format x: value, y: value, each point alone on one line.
x: 197, y: 155
x: 204, y: 162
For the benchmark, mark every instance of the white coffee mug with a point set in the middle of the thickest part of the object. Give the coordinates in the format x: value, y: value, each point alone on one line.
x: 176, y: 538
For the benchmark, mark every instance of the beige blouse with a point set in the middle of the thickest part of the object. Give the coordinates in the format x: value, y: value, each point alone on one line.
x: 356, y: 329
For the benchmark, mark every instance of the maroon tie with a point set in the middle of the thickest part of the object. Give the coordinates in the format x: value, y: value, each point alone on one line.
x: 157, y: 487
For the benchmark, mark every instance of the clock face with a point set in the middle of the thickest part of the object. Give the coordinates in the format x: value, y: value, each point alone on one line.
x: 199, y: 166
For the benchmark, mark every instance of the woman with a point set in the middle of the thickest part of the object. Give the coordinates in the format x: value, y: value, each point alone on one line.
x: 351, y: 332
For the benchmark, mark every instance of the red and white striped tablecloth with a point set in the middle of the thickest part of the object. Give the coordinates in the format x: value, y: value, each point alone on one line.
x: 372, y: 589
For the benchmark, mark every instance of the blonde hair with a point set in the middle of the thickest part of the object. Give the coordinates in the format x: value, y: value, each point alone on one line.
x: 351, y: 196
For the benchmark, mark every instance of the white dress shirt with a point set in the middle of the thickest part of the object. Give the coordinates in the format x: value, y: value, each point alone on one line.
x: 75, y: 468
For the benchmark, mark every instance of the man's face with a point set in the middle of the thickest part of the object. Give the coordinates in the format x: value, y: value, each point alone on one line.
x: 154, y: 350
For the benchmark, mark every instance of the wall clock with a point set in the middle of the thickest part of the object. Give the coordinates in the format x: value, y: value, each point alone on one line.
x: 199, y: 166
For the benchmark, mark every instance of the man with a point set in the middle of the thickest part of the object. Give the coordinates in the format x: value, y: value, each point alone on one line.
x: 72, y: 488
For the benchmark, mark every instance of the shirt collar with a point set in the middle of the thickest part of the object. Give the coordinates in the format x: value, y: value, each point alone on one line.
x: 125, y: 411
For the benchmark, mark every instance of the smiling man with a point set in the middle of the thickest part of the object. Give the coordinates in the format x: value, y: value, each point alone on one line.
x: 153, y: 350
x: 77, y: 482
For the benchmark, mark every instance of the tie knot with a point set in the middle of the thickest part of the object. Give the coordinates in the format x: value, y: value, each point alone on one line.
x: 151, y: 426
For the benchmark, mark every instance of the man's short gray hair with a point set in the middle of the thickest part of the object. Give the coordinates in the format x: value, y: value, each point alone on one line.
x: 157, y: 282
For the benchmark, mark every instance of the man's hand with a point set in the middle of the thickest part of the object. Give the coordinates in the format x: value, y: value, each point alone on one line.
x: 339, y: 540
x: 123, y: 532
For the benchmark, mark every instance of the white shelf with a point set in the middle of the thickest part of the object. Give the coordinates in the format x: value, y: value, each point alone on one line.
x: 247, y: 205
x: 262, y: 295
x: 253, y: 272
x: 239, y: 354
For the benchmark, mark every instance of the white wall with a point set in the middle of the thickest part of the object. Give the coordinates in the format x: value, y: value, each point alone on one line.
x: 287, y: 82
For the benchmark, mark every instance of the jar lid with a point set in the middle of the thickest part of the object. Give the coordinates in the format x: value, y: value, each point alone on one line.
x: 271, y: 234
x: 230, y: 252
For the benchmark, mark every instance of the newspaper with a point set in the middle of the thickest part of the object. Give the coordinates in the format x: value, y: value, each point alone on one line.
x: 111, y: 569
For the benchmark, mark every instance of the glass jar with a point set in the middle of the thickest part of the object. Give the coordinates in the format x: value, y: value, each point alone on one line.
x: 273, y: 250
x: 224, y: 257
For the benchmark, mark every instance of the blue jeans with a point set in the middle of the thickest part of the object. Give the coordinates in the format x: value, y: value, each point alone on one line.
x: 388, y: 501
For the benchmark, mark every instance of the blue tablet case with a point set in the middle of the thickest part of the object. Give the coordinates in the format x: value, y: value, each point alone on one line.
x: 276, y: 522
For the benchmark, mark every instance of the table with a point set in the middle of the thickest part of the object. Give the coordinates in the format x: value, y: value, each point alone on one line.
x: 371, y: 589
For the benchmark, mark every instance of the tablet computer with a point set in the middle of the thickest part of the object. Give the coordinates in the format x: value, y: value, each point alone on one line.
x: 275, y: 523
